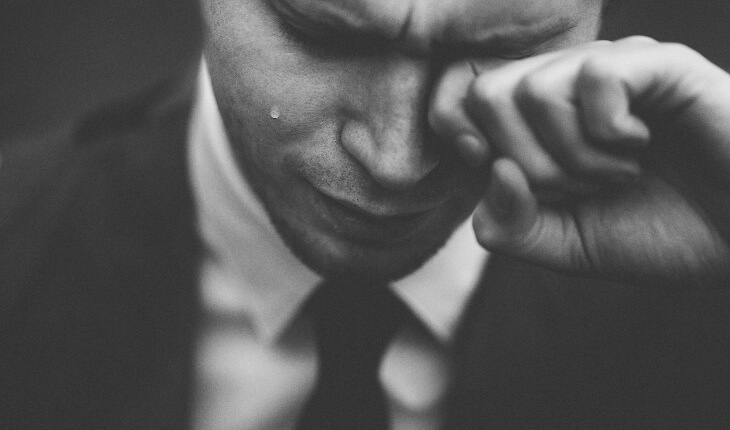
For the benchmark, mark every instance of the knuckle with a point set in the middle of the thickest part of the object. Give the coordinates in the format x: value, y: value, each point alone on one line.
x: 638, y: 39
x: 441, y: 116
x: 488, y: 91
x: 597, y: 68
x: 680, y: 51
x: 535, y: 92
x: 602, y: 43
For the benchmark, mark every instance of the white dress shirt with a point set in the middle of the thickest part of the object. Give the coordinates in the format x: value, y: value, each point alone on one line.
x: 256, y: 360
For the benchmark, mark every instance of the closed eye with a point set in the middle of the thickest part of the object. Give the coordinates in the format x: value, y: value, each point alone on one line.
x: 324, y: 41
x: 512, y: 45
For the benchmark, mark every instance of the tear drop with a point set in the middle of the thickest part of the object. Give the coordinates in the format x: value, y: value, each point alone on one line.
x: 274, y: 112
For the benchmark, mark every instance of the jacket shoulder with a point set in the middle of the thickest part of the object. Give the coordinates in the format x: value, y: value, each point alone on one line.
x: 98, y: 268
x: 539, y: 349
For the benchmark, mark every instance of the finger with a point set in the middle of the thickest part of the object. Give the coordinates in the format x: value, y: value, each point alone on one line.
x: 491, y: 103
x: 447, y: 116
x: 510, y: 220
x: 660, y: 76
x: 508, y: 211
x: 668, y: 84
x: 606, y: 111
x: 545, y: 98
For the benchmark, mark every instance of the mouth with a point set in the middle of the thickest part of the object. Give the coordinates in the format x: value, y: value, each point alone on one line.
x: 372, y: 226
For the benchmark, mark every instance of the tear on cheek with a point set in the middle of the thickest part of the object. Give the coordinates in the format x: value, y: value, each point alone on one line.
x: 274, y: 112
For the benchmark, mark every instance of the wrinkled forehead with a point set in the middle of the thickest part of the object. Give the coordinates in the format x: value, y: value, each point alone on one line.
x: 424, y: 22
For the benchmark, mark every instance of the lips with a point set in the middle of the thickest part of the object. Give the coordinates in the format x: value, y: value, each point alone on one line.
x: 372, y: 226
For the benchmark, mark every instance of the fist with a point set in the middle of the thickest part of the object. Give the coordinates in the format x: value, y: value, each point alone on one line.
x: 611, y: 159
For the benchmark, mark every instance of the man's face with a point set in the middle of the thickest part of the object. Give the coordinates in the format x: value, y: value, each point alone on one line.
x: 326, y: 105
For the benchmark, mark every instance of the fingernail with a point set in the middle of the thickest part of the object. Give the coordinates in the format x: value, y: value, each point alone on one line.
x: 472, y: 149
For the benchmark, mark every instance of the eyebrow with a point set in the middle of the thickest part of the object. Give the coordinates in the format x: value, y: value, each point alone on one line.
x: 517, y: 38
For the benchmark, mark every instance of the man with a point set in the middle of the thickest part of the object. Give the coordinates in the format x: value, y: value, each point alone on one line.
x: 369, y: 130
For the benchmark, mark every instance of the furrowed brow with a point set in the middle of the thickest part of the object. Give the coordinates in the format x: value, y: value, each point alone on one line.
x: 324, y: 16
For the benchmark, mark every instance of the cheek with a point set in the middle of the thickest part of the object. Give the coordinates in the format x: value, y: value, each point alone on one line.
x: 274, y: 112
x: 275, y: 87
x: 274, y: 98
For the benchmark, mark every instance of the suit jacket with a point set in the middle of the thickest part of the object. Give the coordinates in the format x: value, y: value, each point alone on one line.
x: 99, y: 305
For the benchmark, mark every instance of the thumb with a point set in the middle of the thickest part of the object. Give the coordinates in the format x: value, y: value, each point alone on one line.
x: 510, y: 220
x: 508, y: 212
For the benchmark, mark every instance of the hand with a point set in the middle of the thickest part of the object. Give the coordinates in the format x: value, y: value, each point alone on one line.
x: 611, y: 159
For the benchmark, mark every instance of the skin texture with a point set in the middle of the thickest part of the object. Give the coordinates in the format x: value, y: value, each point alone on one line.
x: 605, y: 159
x: 358, y: 174
x: 590, y: 113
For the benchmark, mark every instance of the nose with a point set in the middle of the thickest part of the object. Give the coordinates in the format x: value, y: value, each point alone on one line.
x: 388, y: 134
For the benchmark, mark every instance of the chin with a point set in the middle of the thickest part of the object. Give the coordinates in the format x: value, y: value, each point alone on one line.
x: 334, y: 258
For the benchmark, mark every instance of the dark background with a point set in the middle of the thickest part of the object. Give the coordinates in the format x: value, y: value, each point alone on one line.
x: 61, y: 60
x: 703, y: 25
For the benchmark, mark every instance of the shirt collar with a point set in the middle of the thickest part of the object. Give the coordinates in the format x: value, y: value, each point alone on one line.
x: 256, y: 274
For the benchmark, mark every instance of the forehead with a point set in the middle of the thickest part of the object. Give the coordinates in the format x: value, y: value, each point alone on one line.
x: 424, y: 22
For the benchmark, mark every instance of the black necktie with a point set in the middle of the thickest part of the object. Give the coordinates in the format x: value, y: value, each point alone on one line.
x: 353, y: 325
